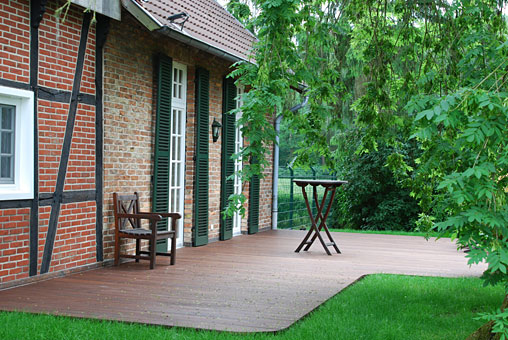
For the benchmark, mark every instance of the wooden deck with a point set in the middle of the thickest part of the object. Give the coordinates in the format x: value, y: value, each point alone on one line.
x: 247, y: 284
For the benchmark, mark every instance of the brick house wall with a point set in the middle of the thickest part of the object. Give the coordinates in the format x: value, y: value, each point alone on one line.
x: 75, y: 239
x: 14, y: 66
x: 129, y: 113
x: 129, y: 118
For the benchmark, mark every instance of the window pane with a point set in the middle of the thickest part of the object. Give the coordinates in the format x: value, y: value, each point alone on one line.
x: 174, y: 122
x: 6, y: 168
x: 173, y: 175
x: 180, y: 119
x: 172, y: 206
x: 6, y: 144
x: 179, y: 174
x: 178, y: 149
x: 173, y: 148
x: 7, y: 118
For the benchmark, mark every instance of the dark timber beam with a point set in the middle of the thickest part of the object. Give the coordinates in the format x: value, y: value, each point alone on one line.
x: 16, y: 204
x: 46, y: 93
x: 102, y: 30
x: 17, y: 84
x: 37, y: 9
x: 64, y: 159
x: 46, y: 199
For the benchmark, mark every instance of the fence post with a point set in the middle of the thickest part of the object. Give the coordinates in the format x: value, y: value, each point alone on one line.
x: 291, y: 195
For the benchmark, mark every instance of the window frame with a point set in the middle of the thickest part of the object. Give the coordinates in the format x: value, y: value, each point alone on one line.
x: 23, y: 186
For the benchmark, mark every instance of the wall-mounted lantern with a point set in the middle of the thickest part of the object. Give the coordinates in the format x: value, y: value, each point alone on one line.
x: 215, y: 130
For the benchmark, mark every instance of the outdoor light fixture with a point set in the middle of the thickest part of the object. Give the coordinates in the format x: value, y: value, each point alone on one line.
x: 215, y: 130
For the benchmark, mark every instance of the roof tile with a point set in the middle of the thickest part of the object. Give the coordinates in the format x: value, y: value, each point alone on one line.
x: 208, y: 22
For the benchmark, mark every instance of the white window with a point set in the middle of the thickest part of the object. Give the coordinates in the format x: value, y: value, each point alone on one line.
x: 177, y: 161
x: 16, y: 144
x: 237, y: 186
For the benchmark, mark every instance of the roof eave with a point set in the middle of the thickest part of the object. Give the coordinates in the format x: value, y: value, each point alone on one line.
x: 152, y: 24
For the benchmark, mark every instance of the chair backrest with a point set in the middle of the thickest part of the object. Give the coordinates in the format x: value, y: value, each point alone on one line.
x: 126, y: 204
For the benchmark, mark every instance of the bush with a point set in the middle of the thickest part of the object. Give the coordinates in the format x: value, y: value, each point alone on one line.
x: 372, y: 200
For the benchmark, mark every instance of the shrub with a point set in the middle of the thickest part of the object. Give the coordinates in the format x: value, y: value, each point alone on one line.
x: 373, y: 199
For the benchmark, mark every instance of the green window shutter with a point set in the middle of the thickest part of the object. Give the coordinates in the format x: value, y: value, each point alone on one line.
x: 201, y: 165
x: 253, y: 221
x: 164, y: 66
x: 228, y: 149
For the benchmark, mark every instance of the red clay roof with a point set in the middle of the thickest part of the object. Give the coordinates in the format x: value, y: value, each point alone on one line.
x: 208, y: 22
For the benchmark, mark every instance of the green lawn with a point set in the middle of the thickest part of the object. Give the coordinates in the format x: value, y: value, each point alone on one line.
x: 377, y: 307
x: 387, y: 232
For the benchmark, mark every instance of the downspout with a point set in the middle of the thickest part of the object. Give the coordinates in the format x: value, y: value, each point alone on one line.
x: 275, y: 181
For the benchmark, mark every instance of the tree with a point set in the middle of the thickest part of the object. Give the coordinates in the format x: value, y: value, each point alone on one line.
x: 433, y: 72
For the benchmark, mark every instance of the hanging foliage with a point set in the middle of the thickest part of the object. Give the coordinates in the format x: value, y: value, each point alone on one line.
x: 431, y: 72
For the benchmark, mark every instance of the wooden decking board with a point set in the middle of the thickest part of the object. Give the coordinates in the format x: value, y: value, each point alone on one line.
x: 254, y: 283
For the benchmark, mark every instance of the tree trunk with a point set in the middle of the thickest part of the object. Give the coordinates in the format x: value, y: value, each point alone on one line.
x: 485, y: 331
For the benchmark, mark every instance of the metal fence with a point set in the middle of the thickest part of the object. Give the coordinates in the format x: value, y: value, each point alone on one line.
x: 292, y: 212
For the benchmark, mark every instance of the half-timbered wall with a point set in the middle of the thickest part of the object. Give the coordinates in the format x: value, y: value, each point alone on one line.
x: 76, y: 170
x: 14, y: 66
x: 48, y: 66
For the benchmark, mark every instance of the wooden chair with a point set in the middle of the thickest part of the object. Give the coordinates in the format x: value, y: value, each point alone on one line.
x: 128, y: 225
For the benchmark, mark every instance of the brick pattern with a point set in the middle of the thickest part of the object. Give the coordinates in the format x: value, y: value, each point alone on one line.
x: 75, y: 238
x: 128, y: 136
x: 58, y: 47
x: 58, y: 50
x: 81, y: 166
x: 15, y: 40
x: 265, y: 196
x: 14, y: 243
x: 129, y: 116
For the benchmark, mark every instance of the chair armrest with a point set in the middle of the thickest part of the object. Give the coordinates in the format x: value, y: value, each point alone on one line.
x: 171, y: 215
x: 146, y: 216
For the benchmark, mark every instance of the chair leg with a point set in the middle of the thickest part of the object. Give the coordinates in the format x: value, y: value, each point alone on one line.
x: 153, y: 245
x: 138, y: 248
x: 173, y: 249
x: 117, y: 250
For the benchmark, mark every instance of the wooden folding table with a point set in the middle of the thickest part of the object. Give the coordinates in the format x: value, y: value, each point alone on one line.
x: 330, y: 186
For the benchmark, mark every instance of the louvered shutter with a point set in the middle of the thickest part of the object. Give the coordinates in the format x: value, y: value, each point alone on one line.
x: 228, y: 149
x: 253, y: 221
x: 160, y: 190
x: 201, y: 165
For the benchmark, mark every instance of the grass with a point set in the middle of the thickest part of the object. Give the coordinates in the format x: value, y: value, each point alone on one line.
x: 388, y: 232
x: 377, y: 307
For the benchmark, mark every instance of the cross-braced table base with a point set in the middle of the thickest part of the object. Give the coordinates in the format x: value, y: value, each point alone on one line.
x: 314, y: 232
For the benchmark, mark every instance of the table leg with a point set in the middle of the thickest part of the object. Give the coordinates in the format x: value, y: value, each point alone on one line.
x: 325, y: 227
x: 319, y: 216
x: 322, y: 224
x: 313, y: 227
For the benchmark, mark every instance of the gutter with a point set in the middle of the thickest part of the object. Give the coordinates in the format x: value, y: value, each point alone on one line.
x: 152, y: 24
x: 275, y: 181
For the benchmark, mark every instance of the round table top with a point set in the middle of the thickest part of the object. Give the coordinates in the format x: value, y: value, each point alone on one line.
x: 327, y: 183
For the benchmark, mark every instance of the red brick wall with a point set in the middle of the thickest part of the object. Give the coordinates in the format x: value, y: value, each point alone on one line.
x: 129, y: 122
x: 58, y: 50
x: 58, y: 47
x: 15, y: 40
x: 128, y: 136
x: 14, y: 243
